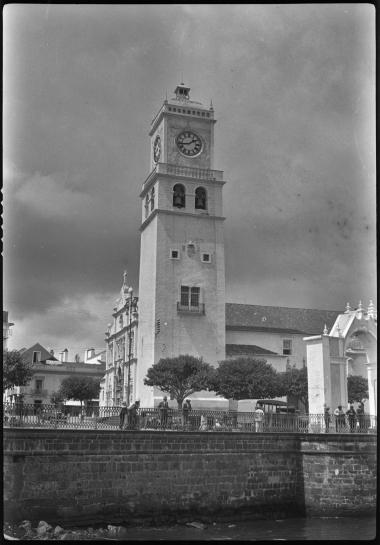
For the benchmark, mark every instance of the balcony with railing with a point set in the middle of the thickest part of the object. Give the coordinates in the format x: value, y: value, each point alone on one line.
x: 185, y: 172
x: 188, y: 309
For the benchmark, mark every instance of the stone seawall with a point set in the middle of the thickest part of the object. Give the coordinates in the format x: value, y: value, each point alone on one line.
x: 87, y: 476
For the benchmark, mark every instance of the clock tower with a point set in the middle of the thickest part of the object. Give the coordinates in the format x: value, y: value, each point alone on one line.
x: 181, y: 285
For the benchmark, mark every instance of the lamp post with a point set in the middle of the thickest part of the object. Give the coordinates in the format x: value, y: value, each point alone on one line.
x: 130, y: 292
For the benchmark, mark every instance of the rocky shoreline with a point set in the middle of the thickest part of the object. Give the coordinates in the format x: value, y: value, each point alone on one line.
x: 45, y: 531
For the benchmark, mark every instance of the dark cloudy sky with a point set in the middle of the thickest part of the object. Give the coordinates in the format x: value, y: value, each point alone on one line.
x: 293, y: 87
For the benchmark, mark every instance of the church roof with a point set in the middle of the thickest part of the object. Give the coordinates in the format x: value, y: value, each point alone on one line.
x: 247, y: 350
x: 279, y: 319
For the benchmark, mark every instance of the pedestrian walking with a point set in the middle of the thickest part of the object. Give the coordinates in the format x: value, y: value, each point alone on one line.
x: 259, y: 418
x: 327, y: 417
x: 163, y: 408
x: 351, y: 414
x: 123, y: 416
x: 339, y: 419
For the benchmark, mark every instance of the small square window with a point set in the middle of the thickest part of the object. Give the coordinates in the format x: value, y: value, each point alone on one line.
x: 174, y: 254
x: 206, y: 258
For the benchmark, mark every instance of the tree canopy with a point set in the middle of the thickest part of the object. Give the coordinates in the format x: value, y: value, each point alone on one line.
x: 357, y: 388
x: 79, y: 388
x: 246, y: 378
x: 180, y: 376
x: 16, y: 371
x: 294, y: 384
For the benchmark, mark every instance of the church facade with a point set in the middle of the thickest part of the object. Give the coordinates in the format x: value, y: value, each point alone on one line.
x: 181, y: 307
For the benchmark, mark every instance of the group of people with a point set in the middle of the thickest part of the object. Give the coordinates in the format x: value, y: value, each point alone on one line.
x: 131, y: 418
x: 355, y: 418
x: 129, y: 415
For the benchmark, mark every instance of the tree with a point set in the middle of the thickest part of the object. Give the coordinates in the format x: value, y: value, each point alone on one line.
x: 246, y: 378
x: 16, y: 371
x: 357, y: 388
x: 294, y: 384
x: 79, y: 388
x: 180, y: 376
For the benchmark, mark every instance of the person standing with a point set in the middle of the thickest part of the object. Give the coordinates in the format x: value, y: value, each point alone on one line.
x: 123, y: 416
x: 132, y: 415
x: 163, y: 407
x: 339, y: 419
x: 259, y: 418
x: 203, y: 424
x: 327, y: 417
x: 351, y: 414
x: 361, y: 417
x: 185, y: 412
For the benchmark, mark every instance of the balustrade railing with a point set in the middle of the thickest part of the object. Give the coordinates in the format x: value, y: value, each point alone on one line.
x: 70, y: 417
x: 187, y: 172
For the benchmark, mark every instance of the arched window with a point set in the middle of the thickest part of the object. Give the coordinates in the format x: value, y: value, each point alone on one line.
x: 200, y: 198
x: 152, y: 199
x: 146, y: 205
x: 179, y: 196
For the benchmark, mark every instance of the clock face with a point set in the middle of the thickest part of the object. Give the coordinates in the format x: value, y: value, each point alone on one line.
x: 157, y: 149
x: 189, y: 143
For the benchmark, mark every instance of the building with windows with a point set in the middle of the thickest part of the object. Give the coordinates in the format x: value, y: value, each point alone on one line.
x: 48, y: 373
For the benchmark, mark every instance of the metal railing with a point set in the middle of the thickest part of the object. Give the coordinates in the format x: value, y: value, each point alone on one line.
x: 107, y: 418
x: 199, y: 309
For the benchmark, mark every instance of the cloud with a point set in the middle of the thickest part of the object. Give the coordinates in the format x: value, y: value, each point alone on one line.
x: 293, y: 92
x: 73, y: 324
x: 54, y: 196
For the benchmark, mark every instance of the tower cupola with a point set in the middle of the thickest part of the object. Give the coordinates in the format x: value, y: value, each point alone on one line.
x: 182, y: 92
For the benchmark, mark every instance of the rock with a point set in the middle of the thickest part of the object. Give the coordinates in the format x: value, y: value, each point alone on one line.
x: 115, y: 530
x: 232, y: 526
x: 198, y: 525
x: 58, y: 530
x: 26, y: 524
x: 43, y: 527
x: 66, y: 536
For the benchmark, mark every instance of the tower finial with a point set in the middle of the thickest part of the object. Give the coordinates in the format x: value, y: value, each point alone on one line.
x: 325, y: 331
x: 371, y: 309
x: 211, y: 106
x: 348, y: 308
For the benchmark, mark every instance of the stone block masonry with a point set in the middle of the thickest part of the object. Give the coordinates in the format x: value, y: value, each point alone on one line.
x: 80, y: 476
